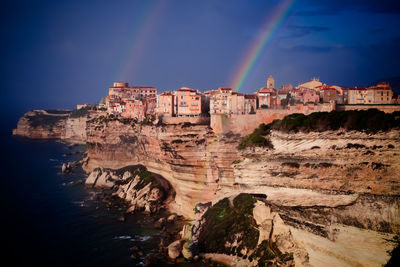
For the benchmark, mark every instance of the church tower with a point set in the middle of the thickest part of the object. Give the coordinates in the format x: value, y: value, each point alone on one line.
x: 270, y: 82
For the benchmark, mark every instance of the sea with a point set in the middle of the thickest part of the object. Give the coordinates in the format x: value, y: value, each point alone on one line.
x: 47, y: 221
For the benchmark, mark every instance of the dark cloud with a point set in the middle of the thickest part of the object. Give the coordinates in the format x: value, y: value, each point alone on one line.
x: 311, y: 49
x: 333, y: 7
x: 301, y: 30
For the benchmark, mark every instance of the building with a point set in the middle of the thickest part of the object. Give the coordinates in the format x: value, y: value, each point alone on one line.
x: 270, y: 82
x: 313, y: 84
x: 122, y: 90
x: 309, y: 96
x: 189, y: 102
x: 166, y: 104
x: 267, y: 98
x: 328, y: 94
x: 220, y: 102
x: 250, y: 104
x: 380, y: 94
x: 375, y: 95
x: 357, y: 95
x: 135, y: 109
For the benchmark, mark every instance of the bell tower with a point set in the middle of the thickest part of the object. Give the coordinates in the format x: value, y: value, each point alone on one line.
x: 270, y: 82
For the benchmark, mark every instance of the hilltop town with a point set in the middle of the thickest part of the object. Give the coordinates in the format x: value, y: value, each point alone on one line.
x: 314, y: 95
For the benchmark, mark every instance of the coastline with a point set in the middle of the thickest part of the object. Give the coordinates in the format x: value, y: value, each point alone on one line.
x: 145, y: 140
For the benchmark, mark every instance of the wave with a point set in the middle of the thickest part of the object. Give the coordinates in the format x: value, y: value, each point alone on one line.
x: 123, y: 237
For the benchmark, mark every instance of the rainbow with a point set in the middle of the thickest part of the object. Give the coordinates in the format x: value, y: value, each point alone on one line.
x: 270, y: 26
x: 142, y: 28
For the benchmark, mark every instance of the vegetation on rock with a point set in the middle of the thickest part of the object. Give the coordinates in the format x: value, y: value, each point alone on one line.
x: 226, y: 223
x: 258, y: 138
x: 370, y: 121
x: 44, y: 120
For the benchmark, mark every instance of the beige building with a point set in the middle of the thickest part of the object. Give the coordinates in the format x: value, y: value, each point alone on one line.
x: 313, y: 84
x: 380, y: 94
x: 225, y: 101
x: 123, y: 90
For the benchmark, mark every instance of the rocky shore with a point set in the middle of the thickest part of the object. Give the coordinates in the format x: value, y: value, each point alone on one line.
x: 317, y: 199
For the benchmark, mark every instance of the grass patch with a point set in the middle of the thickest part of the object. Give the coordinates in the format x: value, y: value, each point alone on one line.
x: 258, y: 138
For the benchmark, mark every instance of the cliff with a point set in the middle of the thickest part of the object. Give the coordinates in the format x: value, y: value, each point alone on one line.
x: 194, y: 160
x: 328, y: 187
x: 42, y: 124
x: 66, y: 125
x: 337, y: 191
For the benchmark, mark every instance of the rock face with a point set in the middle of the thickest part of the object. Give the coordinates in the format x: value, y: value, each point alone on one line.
x: 246, y: 230
x: 75, y: 130
x: 136, y: 186
x: 316, y: 182
x: 193, y: 160
x: 325, y: 187
x: 42, y: 124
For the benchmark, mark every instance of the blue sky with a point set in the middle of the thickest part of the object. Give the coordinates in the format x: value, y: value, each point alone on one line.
x: 55, y: 54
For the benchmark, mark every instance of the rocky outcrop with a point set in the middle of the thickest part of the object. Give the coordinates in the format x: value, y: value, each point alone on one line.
x: 139, y: 188
x: 42, y: 124
x: 193, y: 160
x: 66, y: 125
x: 246, y: 231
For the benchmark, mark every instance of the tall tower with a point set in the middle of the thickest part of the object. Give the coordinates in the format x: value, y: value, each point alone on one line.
x: 270, y: 82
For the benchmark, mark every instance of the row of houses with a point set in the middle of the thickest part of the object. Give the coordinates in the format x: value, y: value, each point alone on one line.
x: 139, y: 102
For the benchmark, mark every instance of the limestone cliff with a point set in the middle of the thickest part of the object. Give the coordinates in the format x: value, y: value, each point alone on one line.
x: 328, y: 186
x: 42, y: 124
x: 194, y: 160
x: 66, y: 125
x: 337, y: 191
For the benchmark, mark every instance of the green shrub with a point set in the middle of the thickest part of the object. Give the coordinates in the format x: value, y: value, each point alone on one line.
x: 257, y: 138
x: 223, y: 223
x: 371, y: 120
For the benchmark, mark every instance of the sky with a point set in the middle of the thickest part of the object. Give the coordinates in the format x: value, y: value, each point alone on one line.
x: 56, y: 54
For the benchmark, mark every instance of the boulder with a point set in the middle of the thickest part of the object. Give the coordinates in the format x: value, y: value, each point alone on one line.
x: 187, y: 250
x: 159, y: 223
x: 104, y: 180
x: 66, y: 168
x: 126, y: 175
x: 171, y: 218
x: 93, y: 176
x: 175, y: 249
x: 155, y: 194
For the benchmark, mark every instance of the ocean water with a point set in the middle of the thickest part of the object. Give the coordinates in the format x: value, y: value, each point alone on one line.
x: 46, y: 222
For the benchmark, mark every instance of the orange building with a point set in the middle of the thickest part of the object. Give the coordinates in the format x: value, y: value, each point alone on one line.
x: 166, y: 104
x: 134, y: 109
x: 189, y: 102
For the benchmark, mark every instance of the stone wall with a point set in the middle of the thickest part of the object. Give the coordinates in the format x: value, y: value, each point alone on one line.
x: 246, y: 123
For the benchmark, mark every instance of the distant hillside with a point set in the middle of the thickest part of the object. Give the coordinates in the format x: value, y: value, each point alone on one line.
x: 394, y: 83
